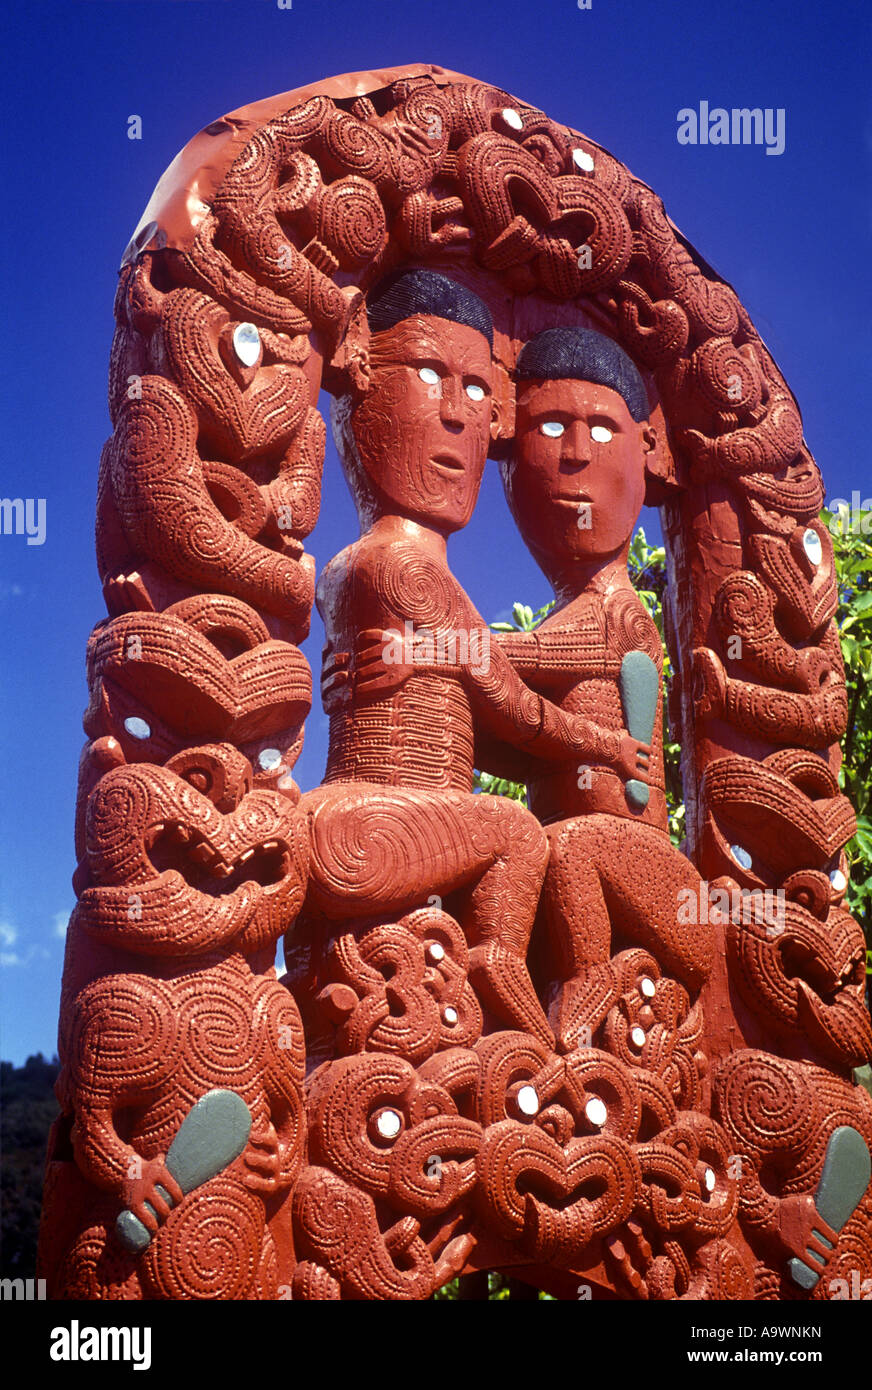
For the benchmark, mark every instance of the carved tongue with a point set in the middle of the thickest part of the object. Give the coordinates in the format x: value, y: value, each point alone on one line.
x: 841, y: 1030
x: 640, y: 686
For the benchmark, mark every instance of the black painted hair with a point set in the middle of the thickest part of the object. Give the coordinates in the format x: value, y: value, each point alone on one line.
x: 406, y: 292
x: 579, y: 354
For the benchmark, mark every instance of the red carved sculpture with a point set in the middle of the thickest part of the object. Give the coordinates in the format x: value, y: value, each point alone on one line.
x: 537, y: 1039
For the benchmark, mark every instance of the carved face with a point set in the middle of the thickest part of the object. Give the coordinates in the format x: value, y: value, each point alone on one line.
x: 197, y: 877
x: 422, y: 430
x: 576, y: 481
x: 233, y: 684
x: 550, y: 1177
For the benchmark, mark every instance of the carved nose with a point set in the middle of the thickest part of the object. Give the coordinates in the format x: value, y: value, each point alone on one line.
x: 557, y: 1121
x: 576, y: 445
x: 218, y: 770
x: 451, y: 412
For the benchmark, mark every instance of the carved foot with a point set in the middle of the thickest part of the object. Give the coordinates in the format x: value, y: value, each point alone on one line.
x: 503, y: 983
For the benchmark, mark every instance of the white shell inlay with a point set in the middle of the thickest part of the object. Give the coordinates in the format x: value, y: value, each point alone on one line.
x: 596, y: 1112
x: 528, y: 1100
x: 137, y: 728
x: 582, y: 160
x: 512, y: 118
x: 811, y: 544
x: 246, y: 343
x: 388, y: 1124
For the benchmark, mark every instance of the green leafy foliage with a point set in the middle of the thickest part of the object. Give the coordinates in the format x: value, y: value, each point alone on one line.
x: 852, y: 545
x: 28, y: 1110
x: 647, y: 567
x: 499, y: 1288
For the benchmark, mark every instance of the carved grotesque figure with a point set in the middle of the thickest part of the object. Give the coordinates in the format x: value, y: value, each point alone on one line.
x: 170, y: 997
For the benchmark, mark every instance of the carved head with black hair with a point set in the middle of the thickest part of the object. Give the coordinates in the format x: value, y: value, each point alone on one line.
x: 576, y: 476
x: 414, y: 437
x: 407, y: 293
x: 580, y: 354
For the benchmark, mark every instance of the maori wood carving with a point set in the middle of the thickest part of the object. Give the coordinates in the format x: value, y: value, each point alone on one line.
x: 504, y: 1040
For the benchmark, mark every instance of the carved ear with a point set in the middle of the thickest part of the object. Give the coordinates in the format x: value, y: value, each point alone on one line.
x: 348, y: 370
x: 502, y: 428
x: 359, y: 370
x: 661, y: 473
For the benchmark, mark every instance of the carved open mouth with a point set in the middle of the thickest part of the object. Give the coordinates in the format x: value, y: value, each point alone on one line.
x: 547, y: 1192
x: 560, y: 1216
x: 171, y: 845
x: 450, y: 463
x: 800, y: 963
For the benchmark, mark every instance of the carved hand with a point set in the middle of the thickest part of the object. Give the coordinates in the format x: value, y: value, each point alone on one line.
x: 633, y: 762
x: 335, y: 680
x: 373, y: 674
x: 381, y: 666
x: 136, y: 1192
x: 263, y: 1161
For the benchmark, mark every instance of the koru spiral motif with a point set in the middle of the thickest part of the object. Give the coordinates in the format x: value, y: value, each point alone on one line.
x: 530, y: 1038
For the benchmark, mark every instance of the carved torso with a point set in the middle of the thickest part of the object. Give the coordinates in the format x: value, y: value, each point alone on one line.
x: 574, y: 659
x: 421, y: 734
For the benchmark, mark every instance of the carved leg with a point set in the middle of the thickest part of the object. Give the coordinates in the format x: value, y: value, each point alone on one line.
x: 377, y: 850
x: 610, y: 875
x: 577, y: 920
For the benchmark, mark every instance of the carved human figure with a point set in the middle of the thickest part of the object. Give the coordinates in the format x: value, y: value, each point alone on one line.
x: 396, y: 821
x: 602, y: 1164
x: 575, y: 482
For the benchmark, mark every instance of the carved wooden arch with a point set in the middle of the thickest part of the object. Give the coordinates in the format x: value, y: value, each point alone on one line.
x: 278, y: 218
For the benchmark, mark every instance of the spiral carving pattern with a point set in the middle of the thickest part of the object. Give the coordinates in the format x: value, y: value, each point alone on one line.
x: 671, y: 1144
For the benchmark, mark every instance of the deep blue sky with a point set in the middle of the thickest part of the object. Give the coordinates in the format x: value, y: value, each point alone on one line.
x: 791, y: 233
